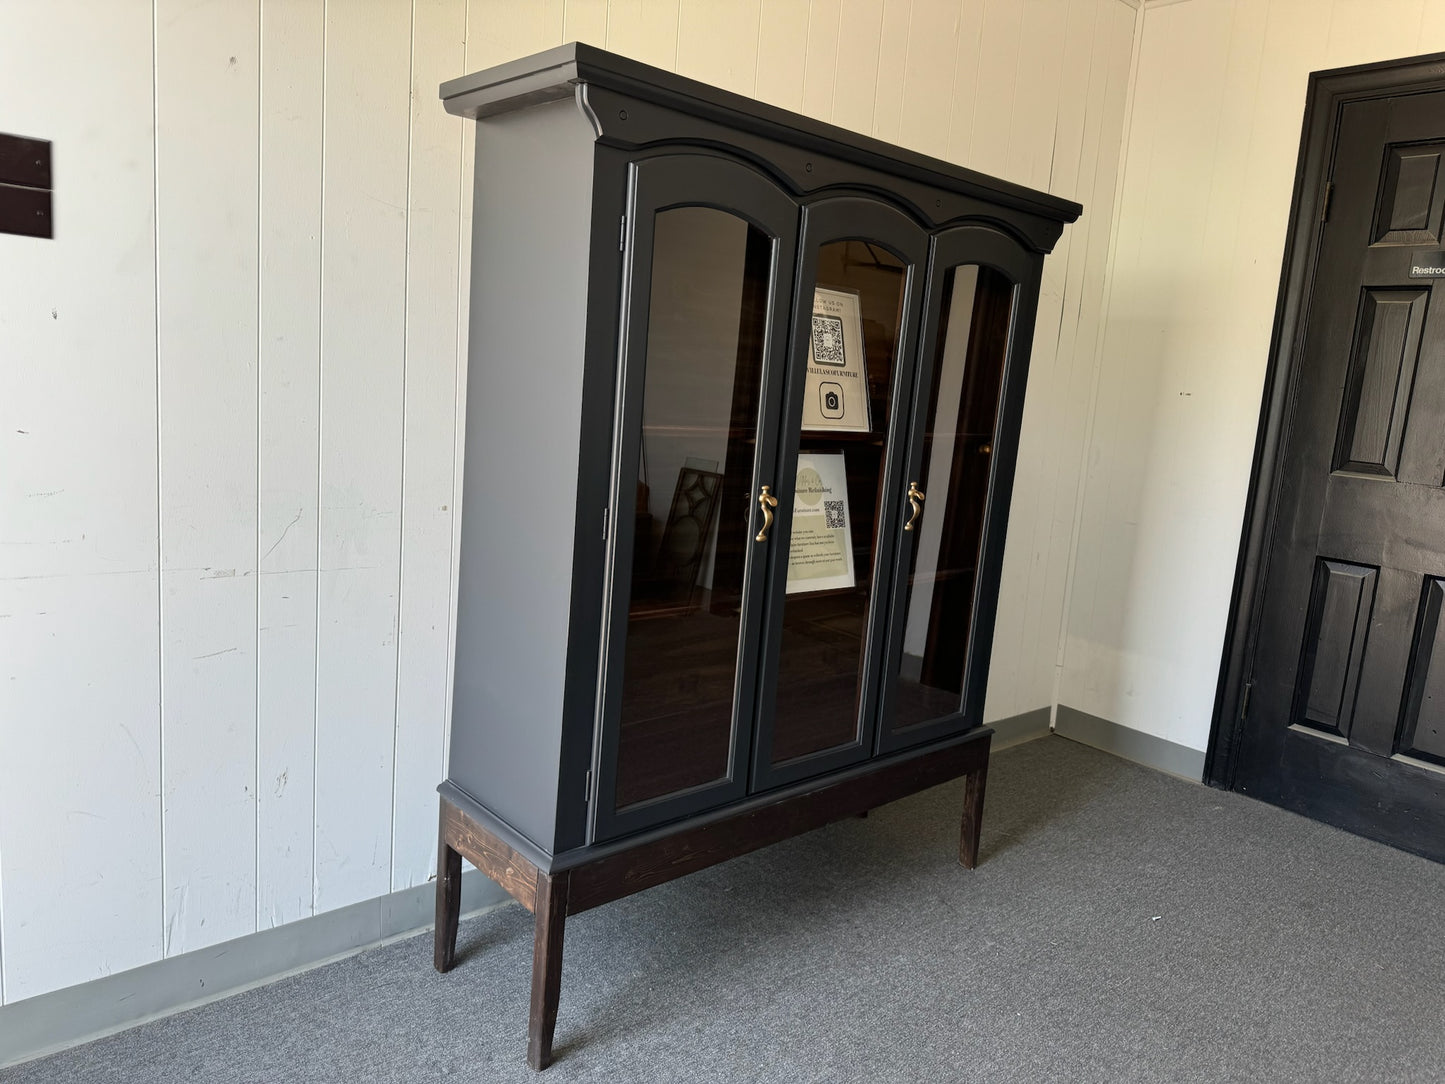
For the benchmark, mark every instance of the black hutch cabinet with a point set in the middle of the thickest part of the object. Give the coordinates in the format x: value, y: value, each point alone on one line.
x: 743, y: 403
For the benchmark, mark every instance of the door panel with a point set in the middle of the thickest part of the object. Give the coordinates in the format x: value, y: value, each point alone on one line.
x: 1342, y: 716
x: 1381, y: 375
x: 1336, y: 634
x: 854, y: 329
x: 1412, y: 196
x: 1422, y: 723
x: 972, y: 330
x: 711, y: 247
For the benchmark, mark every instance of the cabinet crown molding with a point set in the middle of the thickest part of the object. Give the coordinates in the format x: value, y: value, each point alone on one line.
x: 572, y: 70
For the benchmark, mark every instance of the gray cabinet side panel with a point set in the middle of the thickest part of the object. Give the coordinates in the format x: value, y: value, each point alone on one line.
x: 530, y: 234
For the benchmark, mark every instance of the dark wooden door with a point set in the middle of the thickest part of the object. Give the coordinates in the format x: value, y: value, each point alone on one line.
x: 1345, y: 711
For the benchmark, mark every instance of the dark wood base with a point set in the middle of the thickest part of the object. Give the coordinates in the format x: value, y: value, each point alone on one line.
x: 553, y: 895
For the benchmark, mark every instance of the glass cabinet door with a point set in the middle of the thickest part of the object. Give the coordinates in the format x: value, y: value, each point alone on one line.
x: 854, y: 323
x: 946, y: 559
x: 704, y: 312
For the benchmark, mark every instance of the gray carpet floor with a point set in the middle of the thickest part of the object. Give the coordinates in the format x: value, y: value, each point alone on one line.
x: 1123, y: 926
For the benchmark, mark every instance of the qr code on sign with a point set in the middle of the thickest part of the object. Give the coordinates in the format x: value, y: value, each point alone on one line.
x: 833, y: 515
x: 828, y: 340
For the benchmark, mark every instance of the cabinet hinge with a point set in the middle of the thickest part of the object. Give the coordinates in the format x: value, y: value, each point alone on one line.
x: 604, y: 523
x: 1244, y: 704
x: 622, y: 235
x: 1329, y: 198
x: 587, y: 795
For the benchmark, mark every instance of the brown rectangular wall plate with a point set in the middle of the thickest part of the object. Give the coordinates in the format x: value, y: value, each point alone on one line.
x: 25, y: 186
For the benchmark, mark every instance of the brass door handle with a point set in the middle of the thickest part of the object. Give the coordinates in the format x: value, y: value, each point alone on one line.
x: 767, y: 502
x: 986, y: 448
x: 915, y: 499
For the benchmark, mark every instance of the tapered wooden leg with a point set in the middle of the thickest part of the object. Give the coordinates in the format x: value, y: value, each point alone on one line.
x: 449, y: 902
x: 972, y: 816
x: 551, y: 911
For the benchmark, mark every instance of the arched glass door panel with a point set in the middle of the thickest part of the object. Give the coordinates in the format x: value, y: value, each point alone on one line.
x: 705, y: 315
x: 973, y: 365
x: 850, y: 371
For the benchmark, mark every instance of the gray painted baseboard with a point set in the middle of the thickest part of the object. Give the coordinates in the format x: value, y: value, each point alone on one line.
x: 1133, y: 745
x: 1017, y: 729
x: 50, y: 1022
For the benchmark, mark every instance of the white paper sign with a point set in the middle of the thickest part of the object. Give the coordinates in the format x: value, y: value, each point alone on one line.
x: 820, y: 555
x: 836, y: 396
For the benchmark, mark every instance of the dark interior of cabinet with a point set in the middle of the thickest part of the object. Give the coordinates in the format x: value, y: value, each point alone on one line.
x: 821, y: 662
x: 702, y: 380
x: 931, y: 679
x: 681, y: 669
x: 677, y: 706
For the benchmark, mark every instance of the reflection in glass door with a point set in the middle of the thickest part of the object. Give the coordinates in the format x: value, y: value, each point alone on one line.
x: 707, y: 322
x: 839, y: 470
x: 847, y: 399
x: 704, y: 329
x: 949, y: 494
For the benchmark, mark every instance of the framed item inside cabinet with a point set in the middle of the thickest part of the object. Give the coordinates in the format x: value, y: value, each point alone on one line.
x: 836, y: 398
x: 820, y: 550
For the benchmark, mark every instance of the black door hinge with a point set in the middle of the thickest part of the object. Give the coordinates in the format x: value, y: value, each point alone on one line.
x: 587, y: 796
x: 1328, y: 199
x: 1244, y: 704
x: 604, y: 524
x: 622, y: 234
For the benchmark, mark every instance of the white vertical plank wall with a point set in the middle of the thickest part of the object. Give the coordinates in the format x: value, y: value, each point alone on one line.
x: 434, y: 249
x: 1208, y: 173
x: 585, y: 21
x: 363, y: 333
x: 893, y: 65
x: 718, y: 42
x: 782, y: 45
x: 1033, y: 142
x: 820, y: 58
x: 206, y: 304
x: 934, y: 31
x: 229, y: 413
x: 645, y: 30
x: 1081, y: 159
x: 1041, y: 523
x: 967, y: 70
x: 288, y: 438
x: 80, y: 805
x: 856, y: 87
